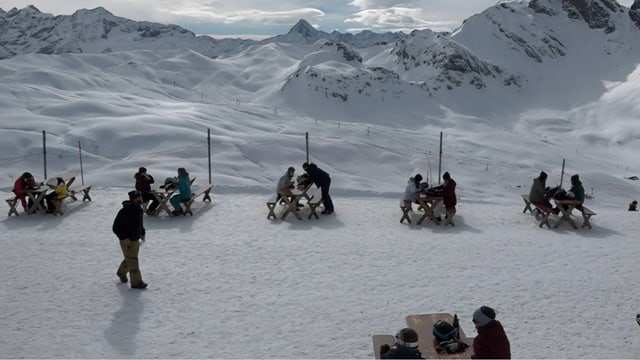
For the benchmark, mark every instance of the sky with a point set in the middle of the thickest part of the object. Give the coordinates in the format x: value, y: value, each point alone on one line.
x: 257, y: 18
x: 229, y: 283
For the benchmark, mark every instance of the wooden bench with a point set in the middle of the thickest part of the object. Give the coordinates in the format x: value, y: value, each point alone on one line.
x: 203, y: 190
x: 271, y: 205
x: 586, y: 216
x: 405, y: 212
x: 313, y: 203
x: 13, y: 204
x: 379, y: 340
x: 543, y: 214
x: 84, y: 189
x: 527, y: 204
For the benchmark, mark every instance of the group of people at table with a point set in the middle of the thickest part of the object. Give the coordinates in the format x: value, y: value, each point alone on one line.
x: 28, y: 191
x: 416, y: 188
x: 490, y: 343
x: 181, y: 183
x: 313, y: 175
x: 541, y: 195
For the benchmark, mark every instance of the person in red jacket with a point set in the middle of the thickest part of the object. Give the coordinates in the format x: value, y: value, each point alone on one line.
x: 449, y: 199
x: 492, y: 341
x: 23, y: 183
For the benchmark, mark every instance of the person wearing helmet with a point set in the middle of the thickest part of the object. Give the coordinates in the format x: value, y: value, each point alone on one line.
x: 59, y: 192
x: 24, y: 183
x: 406, y: 346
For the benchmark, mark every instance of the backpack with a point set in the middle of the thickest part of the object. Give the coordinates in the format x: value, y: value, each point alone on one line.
x: 451, y: 347
x: 169, y: 183
x: 444, y: 331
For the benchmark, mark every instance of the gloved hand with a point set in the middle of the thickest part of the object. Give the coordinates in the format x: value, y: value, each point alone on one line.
x: 384, y: 349
x: 142, y: 238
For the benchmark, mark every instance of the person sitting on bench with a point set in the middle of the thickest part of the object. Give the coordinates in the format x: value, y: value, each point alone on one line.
x: 406, y: 346
x: 59, y: 192
x: 537, y: 194
x: 413, y: 189
x: 184, y: 186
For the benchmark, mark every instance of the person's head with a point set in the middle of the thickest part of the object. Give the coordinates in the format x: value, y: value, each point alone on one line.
x: 27, y: 176
x: 290, y: 171
x: 135, y: 196
x: 575, y: 179
x: 142, y: 170
x: 417, y: 179
x: 408, y: 338
x: 634, y: 203
x: 305, y: 166
x: 446, y: 176
x: 182, y: 171
x: 483, y: 316
x: 543, y: 175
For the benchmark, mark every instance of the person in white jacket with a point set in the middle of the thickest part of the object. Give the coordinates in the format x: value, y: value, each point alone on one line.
x: 412, y: 190
x: 285, y: 184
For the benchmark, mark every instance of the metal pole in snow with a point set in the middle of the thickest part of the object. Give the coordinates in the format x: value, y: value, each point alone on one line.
x: 44, y: 153
x: 306, y: 136
x: 209, y: 145
x: 81, y: 168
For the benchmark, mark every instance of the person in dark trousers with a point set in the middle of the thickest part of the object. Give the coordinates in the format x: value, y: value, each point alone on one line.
x: 129, y: 228
x: 491, y: 342
x: 322, y: 180
x: 143, y: 184
x: 24, y: 183
x: 449, y: 199
x: 538, y: 192
x: 406, y: 346
x: 633, y: 206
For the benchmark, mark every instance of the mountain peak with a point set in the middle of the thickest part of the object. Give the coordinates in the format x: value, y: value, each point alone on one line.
x: 303, y: 28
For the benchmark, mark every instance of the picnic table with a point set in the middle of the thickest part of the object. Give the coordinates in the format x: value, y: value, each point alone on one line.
x: 163, y: 194
x: 36, y: 195
x: 566, y: 207
x: 291, y: 201
x: 428, y: 203
x: 423, y: 325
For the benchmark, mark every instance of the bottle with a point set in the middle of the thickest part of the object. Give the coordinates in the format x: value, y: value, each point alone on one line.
x: 456, y: 325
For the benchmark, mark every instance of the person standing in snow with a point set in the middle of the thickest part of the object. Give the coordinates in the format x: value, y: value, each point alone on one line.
x: 322, y: 180
x: 448, y: 195
x: 129, y: 228
x: 492, y: 341
x: 413, y: 189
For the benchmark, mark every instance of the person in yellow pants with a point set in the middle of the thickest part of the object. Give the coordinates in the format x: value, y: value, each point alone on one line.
x: 129, y: 228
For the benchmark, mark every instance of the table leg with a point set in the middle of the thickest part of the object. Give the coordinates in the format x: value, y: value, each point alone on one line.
x: 566, y: 216
x: 292, y: 207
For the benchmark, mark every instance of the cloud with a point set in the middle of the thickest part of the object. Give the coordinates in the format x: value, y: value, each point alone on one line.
x: 398, y: 19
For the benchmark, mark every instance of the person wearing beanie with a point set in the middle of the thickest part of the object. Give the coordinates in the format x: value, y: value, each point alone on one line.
x: 537, y: 194
x: 184, y: 187
x: 406, y: 346
x: 129, y: 228
x: 577, y: 191
x: 24, y: 183
x: 633, y: 206
x: 322, y: 180
x: 492, y: 341
x: 143, y: 184
x: 449, y: 198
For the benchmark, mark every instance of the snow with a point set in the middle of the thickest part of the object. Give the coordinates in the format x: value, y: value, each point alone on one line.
x: 228, y: 283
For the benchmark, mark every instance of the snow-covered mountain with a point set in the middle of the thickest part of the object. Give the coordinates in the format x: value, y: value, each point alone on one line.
x: 514, y: 51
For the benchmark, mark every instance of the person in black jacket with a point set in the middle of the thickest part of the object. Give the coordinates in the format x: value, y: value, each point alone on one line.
x: 406, y: 346
x: 129, y: 228
x: 143, y: 184
x: 322, y: 180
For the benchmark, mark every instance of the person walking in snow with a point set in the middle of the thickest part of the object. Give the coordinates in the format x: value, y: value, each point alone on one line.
x: 143, y: 184
x: 129, y: 228
x: 184, y: 187
x: 322, y: 180
x: 492, y: 341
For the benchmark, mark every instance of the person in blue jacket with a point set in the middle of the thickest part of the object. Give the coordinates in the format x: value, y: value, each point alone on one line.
x: 406, y: 346
x: 184, y: 187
